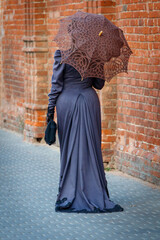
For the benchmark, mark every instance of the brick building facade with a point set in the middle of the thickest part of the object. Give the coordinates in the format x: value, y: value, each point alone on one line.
x: 130, y: 103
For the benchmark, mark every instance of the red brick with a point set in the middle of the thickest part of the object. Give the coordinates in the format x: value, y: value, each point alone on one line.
x: 155, y: 173
x: 106, y: 3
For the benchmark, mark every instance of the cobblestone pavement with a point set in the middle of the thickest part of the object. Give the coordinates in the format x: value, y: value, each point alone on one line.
x: 28, y: 188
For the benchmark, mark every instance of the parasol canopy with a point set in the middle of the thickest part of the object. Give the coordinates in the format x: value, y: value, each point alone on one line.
x: 93, y: 45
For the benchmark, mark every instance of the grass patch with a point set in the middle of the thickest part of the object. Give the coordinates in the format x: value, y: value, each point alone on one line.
x: 108, y: 169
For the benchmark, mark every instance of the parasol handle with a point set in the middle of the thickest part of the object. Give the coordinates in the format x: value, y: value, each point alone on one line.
x: 100, y: 33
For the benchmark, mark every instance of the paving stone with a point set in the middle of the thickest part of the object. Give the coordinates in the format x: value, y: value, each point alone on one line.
x: 29, y: 175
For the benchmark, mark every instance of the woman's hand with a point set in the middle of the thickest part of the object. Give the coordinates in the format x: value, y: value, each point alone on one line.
x: 50, y: 115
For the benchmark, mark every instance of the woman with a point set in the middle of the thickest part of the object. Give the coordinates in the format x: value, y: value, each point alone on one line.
x: 82, y: 182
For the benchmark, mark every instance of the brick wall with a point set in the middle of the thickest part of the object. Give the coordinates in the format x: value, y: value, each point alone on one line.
x: 138, y: 113
x: 12, y: 94
x: 1, y: 72
x: 129, y: 103
x: 35, y: 48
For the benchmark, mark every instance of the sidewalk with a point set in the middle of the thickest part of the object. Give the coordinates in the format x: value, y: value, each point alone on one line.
x: 28, y: 187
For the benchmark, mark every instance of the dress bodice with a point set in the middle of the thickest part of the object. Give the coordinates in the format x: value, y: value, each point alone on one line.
x: 72, y: 79
x: 66, y: 78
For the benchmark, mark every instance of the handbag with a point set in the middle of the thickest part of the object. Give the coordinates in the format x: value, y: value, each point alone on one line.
x: 50, y: 132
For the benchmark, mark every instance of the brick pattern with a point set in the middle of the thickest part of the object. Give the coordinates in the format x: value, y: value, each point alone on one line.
x: 1, y: 33
x: 12, y: 97
x: 36, y: 70
x: 138, y: 100
x: 129, y: 103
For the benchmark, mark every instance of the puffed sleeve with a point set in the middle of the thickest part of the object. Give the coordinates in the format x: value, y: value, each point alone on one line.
x: 98, y: 83
x: 56, y: 81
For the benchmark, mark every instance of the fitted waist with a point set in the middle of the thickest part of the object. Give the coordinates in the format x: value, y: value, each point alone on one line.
x: 80, y: 87
x: 73, y: 92
x: 77, y: 84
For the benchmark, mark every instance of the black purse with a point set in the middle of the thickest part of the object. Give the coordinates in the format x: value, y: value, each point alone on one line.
x: 50, y: 132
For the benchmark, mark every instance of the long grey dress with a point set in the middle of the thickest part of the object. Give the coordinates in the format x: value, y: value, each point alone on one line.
x: 82, y: 182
